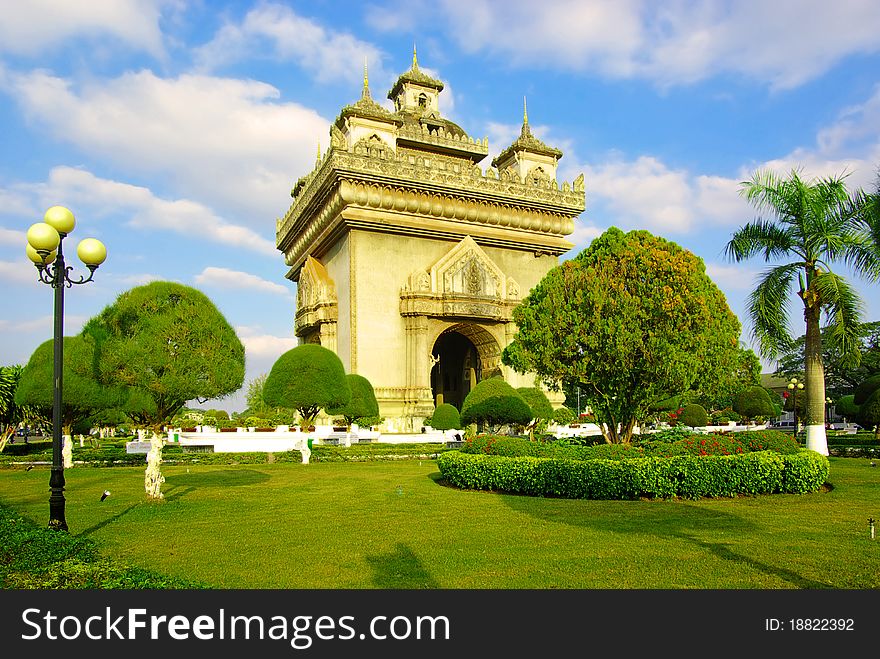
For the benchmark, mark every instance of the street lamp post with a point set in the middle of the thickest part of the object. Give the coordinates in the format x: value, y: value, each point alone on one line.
x: 828, y: 403
x: 795, y: 386
x: 44, y: 248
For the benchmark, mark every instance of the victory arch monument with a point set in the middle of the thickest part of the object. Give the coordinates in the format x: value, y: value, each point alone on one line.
x: 409, y: 256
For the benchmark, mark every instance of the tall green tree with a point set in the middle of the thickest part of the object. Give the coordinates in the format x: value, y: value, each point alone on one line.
x: 632, y: 319
x: 307, y: 378
x: 168, y: 344
x: 807, y: 226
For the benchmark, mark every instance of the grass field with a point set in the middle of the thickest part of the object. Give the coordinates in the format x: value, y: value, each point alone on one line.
x: 394, y: 525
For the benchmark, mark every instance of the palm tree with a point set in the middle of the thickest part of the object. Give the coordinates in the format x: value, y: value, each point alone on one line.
x: 813, y: 224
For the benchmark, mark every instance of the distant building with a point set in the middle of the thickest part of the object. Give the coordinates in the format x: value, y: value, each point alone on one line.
x: 409, y: 257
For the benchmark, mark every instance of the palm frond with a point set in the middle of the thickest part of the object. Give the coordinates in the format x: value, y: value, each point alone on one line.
x: 759, y: 236
x: 864, y: 226
x: 767, y: 191
x: 844, y: 309
x: 768, y: 310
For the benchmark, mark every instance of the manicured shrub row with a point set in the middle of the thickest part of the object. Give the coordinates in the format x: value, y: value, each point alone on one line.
x: 174, y: 455
x: 683, y: 444
x: 685, y: 476
x: 37, y: 558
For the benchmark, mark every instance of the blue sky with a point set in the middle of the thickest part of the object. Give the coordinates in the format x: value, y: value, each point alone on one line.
x: 175, y: 130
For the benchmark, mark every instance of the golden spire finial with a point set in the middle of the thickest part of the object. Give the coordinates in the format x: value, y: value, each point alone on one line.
x: 415, y: 59
x: 366, y: 91
x: 525, y: 112
x: 318, y: 156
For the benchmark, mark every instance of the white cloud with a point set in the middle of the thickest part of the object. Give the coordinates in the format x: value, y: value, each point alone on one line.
x: 32, y: 27
x: 99, y: 197
x: 643, y: 193
x: 20, y: 272
x: 12, y: 237
x: 235, y: 279
x: 732, y: 277
x: 223, y: 141
x: 327, y: 54
x: 140, y: 279
x: 266, y: 345
x: 44, y: 325
x: 783, y: 43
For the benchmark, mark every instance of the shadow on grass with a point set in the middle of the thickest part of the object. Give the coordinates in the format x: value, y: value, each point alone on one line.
x: 664, y: 520
x: 219, y: 478
x: 400, y: 569
x: 104, y: 522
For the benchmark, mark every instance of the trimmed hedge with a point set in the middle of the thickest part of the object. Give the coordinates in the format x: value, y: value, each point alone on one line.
x: 685, y: 476
x: 38, y: 558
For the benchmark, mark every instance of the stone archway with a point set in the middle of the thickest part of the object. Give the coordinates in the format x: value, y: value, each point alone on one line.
x: 461, y: 356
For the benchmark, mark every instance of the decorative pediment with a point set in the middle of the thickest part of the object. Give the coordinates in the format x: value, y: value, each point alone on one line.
x: 315, y: 297
x: 467, y: 271
x: 464, y: 282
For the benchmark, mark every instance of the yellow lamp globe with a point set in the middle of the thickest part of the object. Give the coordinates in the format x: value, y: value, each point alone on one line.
x: 60, y: 218
x: 91, y: 251
x: 38, y: 258
x: 43, y: 237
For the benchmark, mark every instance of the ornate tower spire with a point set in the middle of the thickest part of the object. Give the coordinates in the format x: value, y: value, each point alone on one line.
x: 318, y: 156
x: 415, y: 64
x: 526, y: 131
x: 366, y: 92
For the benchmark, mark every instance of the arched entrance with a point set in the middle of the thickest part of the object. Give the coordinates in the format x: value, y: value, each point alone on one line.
x: 462, y: 355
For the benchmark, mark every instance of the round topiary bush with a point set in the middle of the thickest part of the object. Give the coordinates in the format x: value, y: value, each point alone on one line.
x: 752, y: 402
x: 563, y: 416
x: 362, y: 402
x: 865, y: 389
x: 495, y: 402
x: 446, y: 417
x: 694, y: 415
x: 307, y: 378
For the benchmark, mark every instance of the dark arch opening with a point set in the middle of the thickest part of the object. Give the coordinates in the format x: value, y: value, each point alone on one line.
x: 457, y: 365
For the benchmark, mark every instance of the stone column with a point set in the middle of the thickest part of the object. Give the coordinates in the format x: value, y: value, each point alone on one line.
x: 418, y: 401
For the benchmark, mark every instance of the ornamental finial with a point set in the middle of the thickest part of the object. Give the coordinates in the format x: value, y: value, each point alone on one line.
x: 415, y: 64
x: 366, y: 91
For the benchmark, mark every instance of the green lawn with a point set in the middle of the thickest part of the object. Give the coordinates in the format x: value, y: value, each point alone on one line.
x: 392, y: 525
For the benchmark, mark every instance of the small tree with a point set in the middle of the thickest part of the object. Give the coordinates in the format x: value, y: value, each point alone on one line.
x: 866, y: 389
x: 10, y: 412
x: 82, y: 393
x: 563, y: 416
x: 869, y: 414
x: 307, y: 378
x: 168, y: 344
x: 254, y: 397
x: 752, y: 402
x: 446, y: 417
x: 362, y: 402
x: 694, y: 415
x: 494, y: 402
x: 540, y: 405
x: 846, y: 407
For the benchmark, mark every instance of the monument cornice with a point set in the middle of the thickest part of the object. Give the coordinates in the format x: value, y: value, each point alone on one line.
x: 468, y: 185
x: 355, y: 204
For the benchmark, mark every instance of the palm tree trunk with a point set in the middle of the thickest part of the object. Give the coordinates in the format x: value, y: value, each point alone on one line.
x: 814, y: 409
